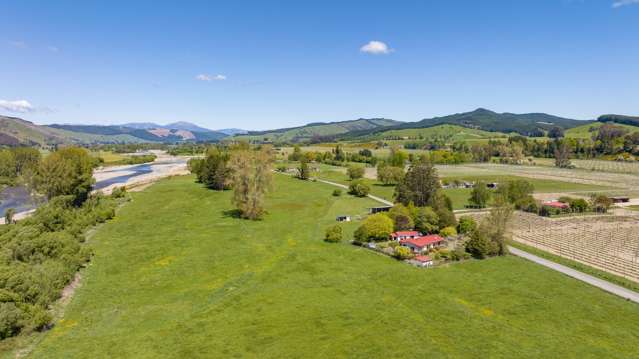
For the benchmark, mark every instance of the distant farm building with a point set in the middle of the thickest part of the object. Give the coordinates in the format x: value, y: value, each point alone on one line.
x: 491, y: 185
x: 557, y: 204
x: 402, y: 235
x: 422, y: 261
x: 343, y: 218
x: 620, y: 199
x: 380, y: 209
x: 422, y: 244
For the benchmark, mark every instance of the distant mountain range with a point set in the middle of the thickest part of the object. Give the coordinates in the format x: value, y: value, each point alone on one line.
x: 15, y: 131
x: 318, y: 131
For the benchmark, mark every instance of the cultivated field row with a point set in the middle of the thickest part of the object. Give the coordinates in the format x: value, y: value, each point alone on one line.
x: 607, y: 242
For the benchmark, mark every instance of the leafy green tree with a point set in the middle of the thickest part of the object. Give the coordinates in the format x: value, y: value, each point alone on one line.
x: 251, y: 179
x: 397, y: 157
x: 448, y: 232
x: 562, y: 154
x: 355, y: 172
x: 479, y: 246
x: 333, y: 234
x: 600, y: 203
x: 377, y: 227
x: 420, y: 185
x: 214, y: 172
x: 401, y: 217
x: 466, y: 224
x: 339, y: 154
x: 389, y: 174
x: 479, y: 196
x: 7, y: 165
x: 359, y: 188
x: 426, y: 220
x: 303, y: 172
x: 68, y: 171
x: 296, y: 155
x: 514, y: 191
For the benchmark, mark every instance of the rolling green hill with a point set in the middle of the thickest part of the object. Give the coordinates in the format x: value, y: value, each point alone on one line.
x: 447, y: 133
x: 620, y: 119
x: 320, y: 131
x: 586, y: 131
x: 529, y: 124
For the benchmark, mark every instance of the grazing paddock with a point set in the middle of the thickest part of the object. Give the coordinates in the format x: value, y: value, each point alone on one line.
x: 607, y: 242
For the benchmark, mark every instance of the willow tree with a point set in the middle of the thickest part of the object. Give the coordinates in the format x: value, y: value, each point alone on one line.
x: 251, y: 179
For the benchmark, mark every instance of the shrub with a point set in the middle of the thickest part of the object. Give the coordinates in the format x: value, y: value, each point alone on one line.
x: 359, y: 188
x: 466, y: 225
x: 337, y: 192
x: 479, y: 196
x: 527, y: 204
x: 448, y: 232
x: 118, y: 192
x: 401, y: 217
x: 402, y: 253
x: 281, y: 168
x: 333, y: 234
x: 376, y: 227
x: 479, y: 246
x: 355, y: 172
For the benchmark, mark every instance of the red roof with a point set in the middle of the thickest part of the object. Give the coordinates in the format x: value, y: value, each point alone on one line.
x: 423, y: 241
x: 405, y: 234
x: 423, y: 259
x: 556, y: 204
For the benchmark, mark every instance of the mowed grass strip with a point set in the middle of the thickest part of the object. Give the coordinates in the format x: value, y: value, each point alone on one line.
x: 175, y: 275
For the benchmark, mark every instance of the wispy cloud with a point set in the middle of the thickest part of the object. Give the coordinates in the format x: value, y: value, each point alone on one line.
x: 620, y: 3
x: 18, y: 44
x: 53, y: 48
x: 205, y: 77
x: 17, y: 106
x: 376, y: 48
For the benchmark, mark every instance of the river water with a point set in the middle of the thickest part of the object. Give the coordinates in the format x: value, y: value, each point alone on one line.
x: 20, y: 199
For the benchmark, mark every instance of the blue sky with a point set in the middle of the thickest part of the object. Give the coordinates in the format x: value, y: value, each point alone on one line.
x: 268, y: 64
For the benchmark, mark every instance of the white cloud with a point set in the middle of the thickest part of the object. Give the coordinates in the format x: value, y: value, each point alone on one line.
x: 620, y: 3
x: 376, y: 48
x: 17, y: 106
x: 205, y: 77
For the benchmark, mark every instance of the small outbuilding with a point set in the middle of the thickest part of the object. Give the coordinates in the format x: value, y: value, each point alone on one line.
x: 422, y: 261
x: 620, y: 199
x: 380, y: 209
x: 343, y: 218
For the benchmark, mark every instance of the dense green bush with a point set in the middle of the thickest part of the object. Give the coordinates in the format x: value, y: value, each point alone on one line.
x: 333, y: 234
x: 359, y: 188
x: 466, y: 225
x: 40, y: 255
x: 337, y: 192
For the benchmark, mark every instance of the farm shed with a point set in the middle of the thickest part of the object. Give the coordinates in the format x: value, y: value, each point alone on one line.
x: 422, y: 261
x: 343, y: 218
x: 380, y: 209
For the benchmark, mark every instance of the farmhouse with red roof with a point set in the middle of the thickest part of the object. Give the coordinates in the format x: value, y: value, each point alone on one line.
x: 422, y: 244
x: 557, y: 204
x: 401, y: 235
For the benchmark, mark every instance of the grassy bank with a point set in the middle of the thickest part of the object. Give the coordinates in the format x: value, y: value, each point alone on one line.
x: 176, y: 275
